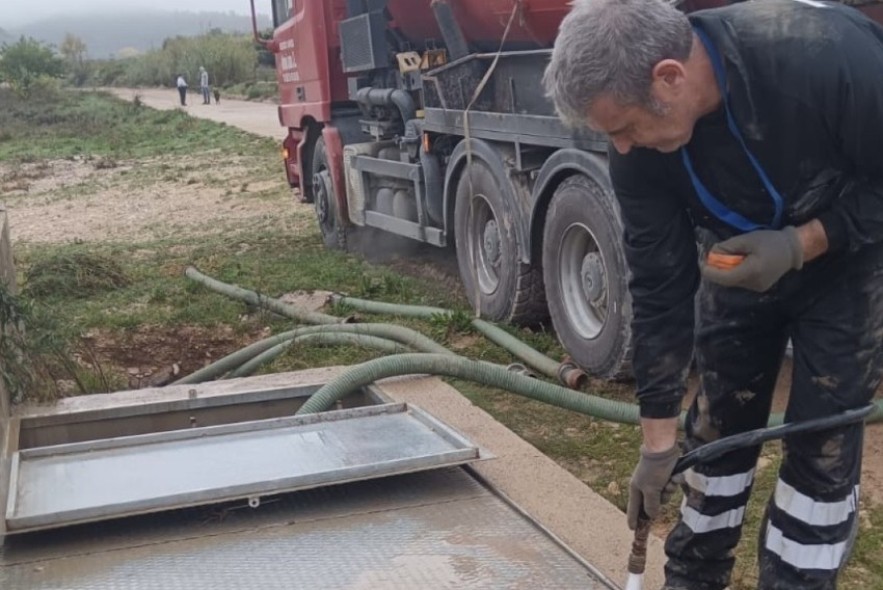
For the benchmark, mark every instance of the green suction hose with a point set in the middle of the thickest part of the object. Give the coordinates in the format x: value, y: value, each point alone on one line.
x: 383, y: 308
x: 271, y: 354
x: 438, y: 361
x: 479, y: 372
x: 235, y: 359
x: 406, y: 336
x: 494, y: 376
x: 530, y: 356
x: 256, y: 299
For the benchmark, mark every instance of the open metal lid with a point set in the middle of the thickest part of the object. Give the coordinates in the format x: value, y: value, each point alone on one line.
x: 87, y: 481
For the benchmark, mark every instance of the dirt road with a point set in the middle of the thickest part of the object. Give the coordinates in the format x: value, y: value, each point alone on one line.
x: 260, y: 118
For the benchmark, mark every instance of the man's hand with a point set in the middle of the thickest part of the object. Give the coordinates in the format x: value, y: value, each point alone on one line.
x: 650, y: 486
x: 769, y: 254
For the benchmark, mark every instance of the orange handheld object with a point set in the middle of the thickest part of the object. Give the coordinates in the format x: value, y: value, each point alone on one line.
x: 724, y: 261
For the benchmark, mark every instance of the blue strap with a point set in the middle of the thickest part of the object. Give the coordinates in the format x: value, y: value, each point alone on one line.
x: 720, y: 210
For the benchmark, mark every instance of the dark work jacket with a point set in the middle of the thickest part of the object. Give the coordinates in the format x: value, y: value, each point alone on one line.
x: 805, y: 85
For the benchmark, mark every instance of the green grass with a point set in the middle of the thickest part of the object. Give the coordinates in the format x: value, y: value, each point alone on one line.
x: 260, y: 90
x: 158, y: 293
x: 157, y: 299
x: 97, y: 125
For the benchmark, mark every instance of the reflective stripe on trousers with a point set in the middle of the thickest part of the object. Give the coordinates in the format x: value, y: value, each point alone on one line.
x: 833, y: 312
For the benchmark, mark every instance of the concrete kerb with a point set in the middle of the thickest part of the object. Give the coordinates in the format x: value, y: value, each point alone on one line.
x: 581, y: 519
x: 7, y: 266
x: 7, y: 279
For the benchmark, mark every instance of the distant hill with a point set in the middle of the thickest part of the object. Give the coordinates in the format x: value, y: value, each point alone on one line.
x: 106, y: 34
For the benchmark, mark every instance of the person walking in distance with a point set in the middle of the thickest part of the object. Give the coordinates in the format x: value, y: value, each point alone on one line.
x: 181, y: 83
x: 204, y: 87
x: 754, y: 130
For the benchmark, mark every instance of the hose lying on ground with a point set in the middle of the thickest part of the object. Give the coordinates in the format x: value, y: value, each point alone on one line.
x: 442, y: 362
x: 269, y: 355
x: 462, y: 368
x: 487, y: 374
x: 253, y: 298
x: 530, y: 356
x: 406, y: 336
x: 568, y: 373
x: 235, y: 359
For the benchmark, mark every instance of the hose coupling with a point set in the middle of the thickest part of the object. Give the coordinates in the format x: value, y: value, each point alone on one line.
x: 521, y: 370
x: 571, y: 375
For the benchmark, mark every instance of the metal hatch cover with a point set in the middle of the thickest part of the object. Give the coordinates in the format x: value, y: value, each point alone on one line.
x: 439, y: 529
x: 96, y: 480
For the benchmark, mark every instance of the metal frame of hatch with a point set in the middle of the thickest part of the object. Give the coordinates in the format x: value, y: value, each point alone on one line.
x: 81, y: 482
x: 131, y: 412
x: 179, y: 414
x: 57, y: 425
x: 197, y: 408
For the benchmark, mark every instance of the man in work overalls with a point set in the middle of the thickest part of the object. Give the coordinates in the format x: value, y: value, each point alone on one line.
x: 755, y: 130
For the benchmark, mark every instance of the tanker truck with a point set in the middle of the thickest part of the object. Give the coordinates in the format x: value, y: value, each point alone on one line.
x: 427, y: 119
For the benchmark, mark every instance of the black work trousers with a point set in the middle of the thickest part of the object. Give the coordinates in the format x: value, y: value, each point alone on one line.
x: 833, y: 311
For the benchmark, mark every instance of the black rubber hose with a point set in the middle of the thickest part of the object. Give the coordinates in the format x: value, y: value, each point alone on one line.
x: 753, y: 438
x: 638, y: 555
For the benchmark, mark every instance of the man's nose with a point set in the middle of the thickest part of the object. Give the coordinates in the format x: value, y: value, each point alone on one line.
x: 622, y: 145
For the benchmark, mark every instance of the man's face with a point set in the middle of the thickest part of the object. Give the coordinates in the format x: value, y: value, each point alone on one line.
x: 666, y: 129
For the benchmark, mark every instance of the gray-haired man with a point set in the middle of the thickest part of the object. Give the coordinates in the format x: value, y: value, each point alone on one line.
x: 204, y: 88
x: 757, y: 130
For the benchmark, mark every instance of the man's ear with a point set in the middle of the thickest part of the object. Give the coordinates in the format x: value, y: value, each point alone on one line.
x: 668, y: 77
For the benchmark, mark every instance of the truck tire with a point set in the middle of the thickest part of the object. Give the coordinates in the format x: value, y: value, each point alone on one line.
x: 586, y: 277
x: 332, y: 227
x: 494, y: 278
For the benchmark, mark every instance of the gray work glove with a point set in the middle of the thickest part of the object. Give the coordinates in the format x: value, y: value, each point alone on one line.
x: 769, y: 254
x: 651, y: 484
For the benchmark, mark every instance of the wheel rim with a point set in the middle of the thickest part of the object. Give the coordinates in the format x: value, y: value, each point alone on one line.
x: 322, y: 199
x: 485, y: 247
x: 584, y: 286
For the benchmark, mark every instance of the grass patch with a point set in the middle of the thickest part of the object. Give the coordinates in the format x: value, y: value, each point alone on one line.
x: 38, y: 363
x: 260, y: 90
x: 75, y: 275
x: 108, y: 128
x: 866, y: 567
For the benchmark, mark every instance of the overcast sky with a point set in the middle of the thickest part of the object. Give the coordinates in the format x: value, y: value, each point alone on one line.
x: 14, y: 13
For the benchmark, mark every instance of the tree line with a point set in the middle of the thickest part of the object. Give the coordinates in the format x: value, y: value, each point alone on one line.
x: 229, y: 58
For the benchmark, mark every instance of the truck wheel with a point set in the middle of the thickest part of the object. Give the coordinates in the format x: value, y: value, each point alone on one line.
x: 495, y: 280
x: 585, y: 275
x: 324, y: 200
